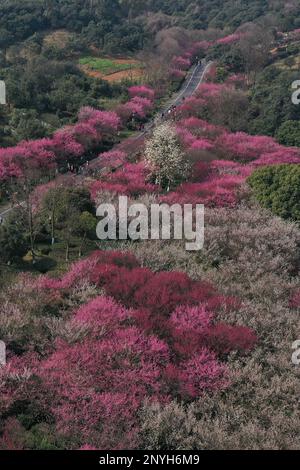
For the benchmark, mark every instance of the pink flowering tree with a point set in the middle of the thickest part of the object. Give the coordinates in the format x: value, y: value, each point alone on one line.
x: 176, y: 74
x: 28, y: 157
x: 246, y: 147
x: 181, y: 63
x: 113, y: 158
x: 66, y: 147
x: 141, y: 91
x: 104, y: 123
x: 130, y: 180
x: 32, y: 161
x: 9, y: 170
x: 230, y: 39
x: 295, y: 299
x: 86, y: 135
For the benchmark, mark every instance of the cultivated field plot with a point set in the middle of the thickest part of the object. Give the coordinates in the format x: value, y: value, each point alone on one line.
x: 111, y: 69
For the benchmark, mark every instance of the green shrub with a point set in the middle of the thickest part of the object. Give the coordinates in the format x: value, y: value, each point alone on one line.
x: 289, y: 133
x: 278, y: 188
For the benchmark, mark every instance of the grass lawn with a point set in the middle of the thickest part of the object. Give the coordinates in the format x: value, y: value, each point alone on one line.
x: 107, y: 66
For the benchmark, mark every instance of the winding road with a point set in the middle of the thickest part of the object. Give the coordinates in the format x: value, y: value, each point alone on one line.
x: 193, y: 80
x: 192, y: 83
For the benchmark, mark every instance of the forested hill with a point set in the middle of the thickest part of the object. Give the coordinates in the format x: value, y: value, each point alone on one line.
x: 76, y: 43
x: 126, y: 22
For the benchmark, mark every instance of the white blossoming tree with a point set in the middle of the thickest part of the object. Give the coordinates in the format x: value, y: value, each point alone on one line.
x: 165, y: 159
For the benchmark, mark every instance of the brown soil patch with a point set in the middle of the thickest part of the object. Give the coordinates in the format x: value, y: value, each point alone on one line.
x: 125, y: 74
x: 91, y: 73
x: 126, y: 61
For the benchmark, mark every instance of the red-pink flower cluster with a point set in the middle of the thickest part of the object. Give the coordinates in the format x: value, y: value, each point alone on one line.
x: 295, y: 299
x: 200, y: 47
x: 216, y: 182
x: 214, y: 191
x: 140, y: 104
x: 295, y: 33
x: 177, y: 74
x: 200, y: 127
x: 192, y: 107
x: 180, y: 63
x: 93, y: 127
x: 129, y: 180
x: 141, y: 91
x: 28, y: 155
x: 245, y: 147
x: 152, y: 336
x: 237, y: 80
x: 230, y: 39
x: 66, y: 146
x: 105, y: 123
x: 192, y: 141
x: 156, y: 301
x: 113, y: 158
x: 209, y: 90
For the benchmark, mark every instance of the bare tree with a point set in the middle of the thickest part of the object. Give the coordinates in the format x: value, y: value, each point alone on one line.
x: 254, y: 46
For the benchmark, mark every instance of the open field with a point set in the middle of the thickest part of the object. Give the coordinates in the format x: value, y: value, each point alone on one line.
x: 112, y: 70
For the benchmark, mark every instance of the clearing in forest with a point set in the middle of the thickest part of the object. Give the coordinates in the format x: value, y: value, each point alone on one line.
x: 111, y: 69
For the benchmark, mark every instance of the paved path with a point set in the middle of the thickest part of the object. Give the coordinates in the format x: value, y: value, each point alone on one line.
x: 191, y: 84
x: 189, y: 87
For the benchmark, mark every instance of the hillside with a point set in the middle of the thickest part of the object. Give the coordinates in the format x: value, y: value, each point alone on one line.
x: 70, y: 38
x: 139, y: 329
x: 102, y: 21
